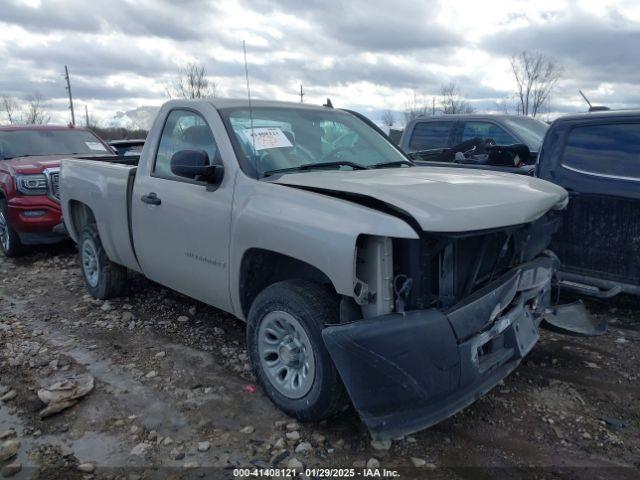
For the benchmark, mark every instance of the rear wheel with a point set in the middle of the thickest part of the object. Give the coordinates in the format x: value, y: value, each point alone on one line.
x: 103, y: 278
x: 288, y: 354
x: 9, y: 240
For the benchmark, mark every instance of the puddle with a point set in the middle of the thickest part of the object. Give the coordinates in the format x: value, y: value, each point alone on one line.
x: 8, y: 420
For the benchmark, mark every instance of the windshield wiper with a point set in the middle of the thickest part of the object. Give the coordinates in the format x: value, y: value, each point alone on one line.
x: 396, y: 163
x: 309, y: 166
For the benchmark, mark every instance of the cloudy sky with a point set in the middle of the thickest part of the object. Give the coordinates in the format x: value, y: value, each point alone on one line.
x: 369, y: 55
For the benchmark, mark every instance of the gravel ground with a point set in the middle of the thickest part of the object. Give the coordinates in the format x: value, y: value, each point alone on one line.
x: 174, y: 396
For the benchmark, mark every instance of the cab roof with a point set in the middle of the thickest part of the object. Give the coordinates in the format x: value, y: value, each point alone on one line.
x: 221, y: 103
x: 605, y: 114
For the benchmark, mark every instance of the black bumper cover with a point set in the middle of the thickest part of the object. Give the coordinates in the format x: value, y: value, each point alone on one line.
x: 406, y: 372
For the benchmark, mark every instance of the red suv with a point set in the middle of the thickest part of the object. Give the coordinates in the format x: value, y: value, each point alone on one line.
x: 29, y: 169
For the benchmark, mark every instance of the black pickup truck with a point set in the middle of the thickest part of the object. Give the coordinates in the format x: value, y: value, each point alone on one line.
x: 476, y: 140
x: 595, y: 156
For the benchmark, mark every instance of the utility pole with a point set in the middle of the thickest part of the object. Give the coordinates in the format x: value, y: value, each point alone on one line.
x: 86, y: 115
x: 66, y: 77
x: 301, y: 93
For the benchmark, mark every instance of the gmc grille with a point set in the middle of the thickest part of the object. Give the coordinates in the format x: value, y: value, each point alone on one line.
x: 53, y: 183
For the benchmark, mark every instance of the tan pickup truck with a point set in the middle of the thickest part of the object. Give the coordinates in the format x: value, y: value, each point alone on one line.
x: 409, y: 291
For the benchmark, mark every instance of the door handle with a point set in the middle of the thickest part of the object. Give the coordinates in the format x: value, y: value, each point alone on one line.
x: 151, y: 199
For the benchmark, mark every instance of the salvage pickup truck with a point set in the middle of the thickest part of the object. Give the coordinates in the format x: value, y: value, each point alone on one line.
x: 410, y: 290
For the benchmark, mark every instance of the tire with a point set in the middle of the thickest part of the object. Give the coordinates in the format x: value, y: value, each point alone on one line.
x: 9, y: 240
x: 311, y: 306
x: 103, y: 278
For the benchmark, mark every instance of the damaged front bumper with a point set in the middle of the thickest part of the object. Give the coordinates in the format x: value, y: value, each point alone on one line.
x: 408, y: 371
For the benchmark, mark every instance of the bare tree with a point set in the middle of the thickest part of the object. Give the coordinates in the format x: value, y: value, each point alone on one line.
x: 35, y: 111
x: 11, y: 109
x: 452, y: 101
x: 388, y: 118
x: 535, y: 76
x: 415, y: 106
x: 192, y: 82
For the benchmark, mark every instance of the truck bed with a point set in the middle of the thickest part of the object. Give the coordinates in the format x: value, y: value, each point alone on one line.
x: 105, y: 185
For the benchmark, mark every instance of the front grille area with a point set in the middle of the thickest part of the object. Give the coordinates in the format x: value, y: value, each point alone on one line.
x: 54, y: 178
x: 53, y: 183
x: 446, y: 268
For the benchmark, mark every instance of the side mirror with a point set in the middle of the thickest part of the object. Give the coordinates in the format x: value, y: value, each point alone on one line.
x: 194, y: 164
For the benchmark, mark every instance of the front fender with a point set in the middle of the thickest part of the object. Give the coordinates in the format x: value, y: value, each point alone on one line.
x: 317, y: 229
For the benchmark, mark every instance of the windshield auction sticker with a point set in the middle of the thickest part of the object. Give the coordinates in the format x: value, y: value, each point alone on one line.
x: 95, y: 146
x: 264, y: 138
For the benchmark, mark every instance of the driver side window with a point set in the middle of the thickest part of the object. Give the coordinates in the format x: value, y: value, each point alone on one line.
x: 183, y: 130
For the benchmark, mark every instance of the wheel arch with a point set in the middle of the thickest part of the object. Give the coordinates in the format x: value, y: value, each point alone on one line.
x: 260, y: 268
x: 80, y: 215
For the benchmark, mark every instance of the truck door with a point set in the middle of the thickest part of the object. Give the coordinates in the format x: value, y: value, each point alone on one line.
x: 180, y: 228
x: 600, y: 167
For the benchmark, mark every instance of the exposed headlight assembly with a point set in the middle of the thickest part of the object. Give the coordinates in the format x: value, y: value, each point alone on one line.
x: 32, y: 184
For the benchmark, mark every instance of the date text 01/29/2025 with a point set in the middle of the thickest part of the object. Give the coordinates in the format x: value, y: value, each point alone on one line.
x: 316, y: 472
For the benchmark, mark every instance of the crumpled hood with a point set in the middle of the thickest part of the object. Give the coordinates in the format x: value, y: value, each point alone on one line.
x: 443, y: 199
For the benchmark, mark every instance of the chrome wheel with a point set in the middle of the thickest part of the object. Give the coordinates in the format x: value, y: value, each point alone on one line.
x: 90, y: 263
x: 4, y: 232
x: 286, y: 355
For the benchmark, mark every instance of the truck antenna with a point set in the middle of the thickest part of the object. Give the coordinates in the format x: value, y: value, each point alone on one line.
x: 585, y: 99
x: 593, y: 108
x: 246, y: 74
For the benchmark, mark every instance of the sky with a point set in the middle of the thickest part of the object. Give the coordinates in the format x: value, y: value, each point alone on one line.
x: 368, y: 55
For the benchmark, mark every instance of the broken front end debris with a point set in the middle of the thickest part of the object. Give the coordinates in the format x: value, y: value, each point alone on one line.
x: 408, y: 370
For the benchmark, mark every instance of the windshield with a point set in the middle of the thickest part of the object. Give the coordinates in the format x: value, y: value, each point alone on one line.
x: 289, y: 138
x: 26, y: 143
x: 529, y: 129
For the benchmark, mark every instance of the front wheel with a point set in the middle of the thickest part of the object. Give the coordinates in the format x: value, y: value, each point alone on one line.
x: 103, y: 278
x: 288, y: 354
x: 9, y: 240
